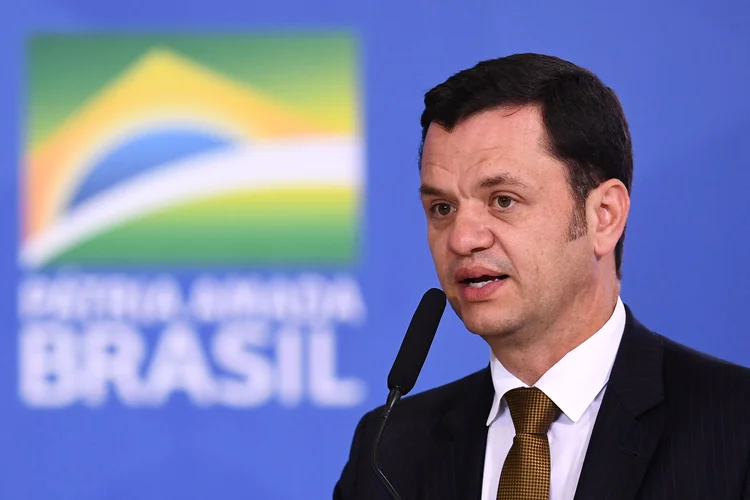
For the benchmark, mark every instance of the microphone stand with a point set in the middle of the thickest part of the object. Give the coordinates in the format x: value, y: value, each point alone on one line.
x: 393, y: 398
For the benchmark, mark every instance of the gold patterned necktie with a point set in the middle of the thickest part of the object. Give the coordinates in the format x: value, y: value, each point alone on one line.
x: 525, y: 474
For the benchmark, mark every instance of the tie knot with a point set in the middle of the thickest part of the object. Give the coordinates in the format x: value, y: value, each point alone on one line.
x: 531, y: 410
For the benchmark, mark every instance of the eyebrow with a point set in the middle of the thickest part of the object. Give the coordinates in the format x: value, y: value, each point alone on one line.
x: 427, y: 190
x: 501, y: 180
x: 486, y: 183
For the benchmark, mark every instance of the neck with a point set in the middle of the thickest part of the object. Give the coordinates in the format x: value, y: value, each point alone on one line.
x: 530, y: 352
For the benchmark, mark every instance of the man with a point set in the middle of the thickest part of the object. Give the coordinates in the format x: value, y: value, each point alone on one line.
x: 526, y: 170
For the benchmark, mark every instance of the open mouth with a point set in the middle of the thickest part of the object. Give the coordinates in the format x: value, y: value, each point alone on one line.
x: 482, y: 281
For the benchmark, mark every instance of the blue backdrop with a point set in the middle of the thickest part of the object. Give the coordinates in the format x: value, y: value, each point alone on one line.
x: 681, y: 69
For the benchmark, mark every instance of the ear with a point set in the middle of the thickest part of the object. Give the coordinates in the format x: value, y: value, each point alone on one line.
x: 607, y: 206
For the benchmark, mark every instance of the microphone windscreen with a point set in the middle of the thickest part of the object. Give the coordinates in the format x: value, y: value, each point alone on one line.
x: 417, y: 341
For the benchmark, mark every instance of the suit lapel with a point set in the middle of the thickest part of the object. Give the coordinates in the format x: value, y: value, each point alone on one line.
x: 455, y: 465
x: 630, y: 420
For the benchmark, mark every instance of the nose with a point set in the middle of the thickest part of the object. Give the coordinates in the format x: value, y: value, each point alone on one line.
x: 470, y: 233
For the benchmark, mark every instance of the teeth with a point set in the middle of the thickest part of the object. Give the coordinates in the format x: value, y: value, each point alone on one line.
x: 480, y: 284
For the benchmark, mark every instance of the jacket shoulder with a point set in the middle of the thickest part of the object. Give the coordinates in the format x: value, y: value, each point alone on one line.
x: 696, y: 369
x: 698, y: 384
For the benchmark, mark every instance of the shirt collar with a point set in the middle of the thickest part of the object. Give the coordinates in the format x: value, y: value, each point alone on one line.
x: 574, y: 381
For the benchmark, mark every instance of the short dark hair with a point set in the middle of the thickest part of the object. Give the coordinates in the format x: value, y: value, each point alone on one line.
x: 585, y: 123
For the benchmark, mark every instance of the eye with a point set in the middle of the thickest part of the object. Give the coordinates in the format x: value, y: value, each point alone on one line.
x: 503, y: 201
x: 442, y: 209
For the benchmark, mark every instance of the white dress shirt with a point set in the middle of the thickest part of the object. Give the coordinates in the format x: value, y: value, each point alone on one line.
x: 576, y: 385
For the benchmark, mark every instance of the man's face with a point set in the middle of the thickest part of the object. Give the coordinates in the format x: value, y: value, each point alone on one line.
x: 499, y: 213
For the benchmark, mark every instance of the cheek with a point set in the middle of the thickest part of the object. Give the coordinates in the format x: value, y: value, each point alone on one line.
x: 438, y: 248
x: 536, y: 248
x: 443, y: 261
x: 557, y: 259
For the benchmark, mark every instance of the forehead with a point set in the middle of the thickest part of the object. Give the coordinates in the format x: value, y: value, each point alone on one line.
x: 504, y: 140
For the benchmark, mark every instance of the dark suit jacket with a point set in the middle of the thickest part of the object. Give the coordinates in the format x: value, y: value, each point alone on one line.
x: 673, y: 424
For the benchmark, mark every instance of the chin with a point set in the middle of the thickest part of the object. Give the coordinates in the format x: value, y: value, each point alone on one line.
x: 483, y: 318
x: 483, y: 324
x: 482, y: 328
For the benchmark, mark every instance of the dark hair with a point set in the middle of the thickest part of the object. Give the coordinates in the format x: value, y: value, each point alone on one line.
x: 585, y: 123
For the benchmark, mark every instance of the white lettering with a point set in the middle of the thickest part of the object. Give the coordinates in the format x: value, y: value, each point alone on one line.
x: 162, y: 300
x: 231, y: 348
x: 325, y: 388
x: 289, y: 366
x: 112, y: 352
x: 138, y: 339
x: 47, y: 365
x: 179, y: 364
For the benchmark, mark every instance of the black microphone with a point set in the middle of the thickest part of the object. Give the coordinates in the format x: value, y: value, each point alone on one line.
x: 409, y: 361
